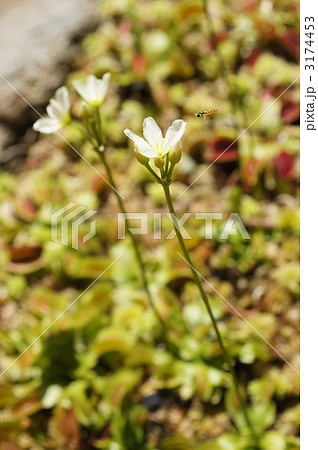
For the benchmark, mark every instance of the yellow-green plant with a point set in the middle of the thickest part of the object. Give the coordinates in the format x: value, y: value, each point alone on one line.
x: 159, y: 155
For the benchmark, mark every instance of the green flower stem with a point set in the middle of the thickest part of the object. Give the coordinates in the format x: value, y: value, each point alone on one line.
x: 153, y: 173
x: 141, y: 264
x: 99, y: 123
x: 82, y: 128
x: 166, y: 167
x: 205, y: 299
x: 170, y: 170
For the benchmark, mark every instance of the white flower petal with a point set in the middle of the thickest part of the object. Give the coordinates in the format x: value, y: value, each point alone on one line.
x: 152, y: 131
x: 142, y: 146
x: 94, y: 90
x: 47, y: 125
x: 149, y: 153
x: 62, y: 97
x: 106, y: 79
x: 91, y: 83
x: 174, y: 134
x: 103, y: 86
x: 59, y: 105
x: 100, y: 92
x: 58, y: 111
x: 80, y: 88
x: 55, y: 110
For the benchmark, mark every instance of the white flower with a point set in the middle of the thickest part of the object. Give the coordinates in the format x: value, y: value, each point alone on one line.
x: 94, y: 90
x: 58, y: 111
x: 155, y: 145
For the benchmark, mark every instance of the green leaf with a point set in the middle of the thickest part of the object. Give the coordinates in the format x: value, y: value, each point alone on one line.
x: 176, y: 443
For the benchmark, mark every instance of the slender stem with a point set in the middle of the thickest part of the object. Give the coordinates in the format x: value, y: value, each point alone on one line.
x: 99, y: 123
x: 170, y: 172
x: 141, y: 264
x: 206, y: 302
x: 82, y: 129
x: 153, y: 173
x: 166, y: 166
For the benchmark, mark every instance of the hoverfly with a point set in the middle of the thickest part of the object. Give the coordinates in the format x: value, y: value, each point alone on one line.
x: 206, y: 113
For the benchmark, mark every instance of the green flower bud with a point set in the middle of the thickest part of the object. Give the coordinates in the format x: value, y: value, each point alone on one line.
x: 140, y: 157
x: 175, y: 153
x: 158, y: 162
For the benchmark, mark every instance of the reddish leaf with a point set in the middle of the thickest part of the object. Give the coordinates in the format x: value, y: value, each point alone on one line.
x: 223, y: 150
x: 290, y: 42
x: 253, y: 57
x: 68, y: 426
x: 284, y: 165
x: 25, y: 254
x: 25, y: 209
x: 139, y: 65
x: 27, y: 406
x: 290, y: 112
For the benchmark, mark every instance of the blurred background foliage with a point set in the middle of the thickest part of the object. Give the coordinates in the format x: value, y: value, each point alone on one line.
x: 101, y: 377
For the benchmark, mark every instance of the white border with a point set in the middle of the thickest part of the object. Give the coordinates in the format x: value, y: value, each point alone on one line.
x: 309, y: 245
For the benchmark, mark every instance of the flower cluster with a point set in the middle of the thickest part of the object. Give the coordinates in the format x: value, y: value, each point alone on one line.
x: 164, y: 151
x: 92, y: 92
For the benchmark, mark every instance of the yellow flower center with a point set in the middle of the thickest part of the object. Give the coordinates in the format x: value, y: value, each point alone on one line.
x: 159, y: 147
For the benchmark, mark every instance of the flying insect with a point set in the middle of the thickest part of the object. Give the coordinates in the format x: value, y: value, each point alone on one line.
x: 206, y: 113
